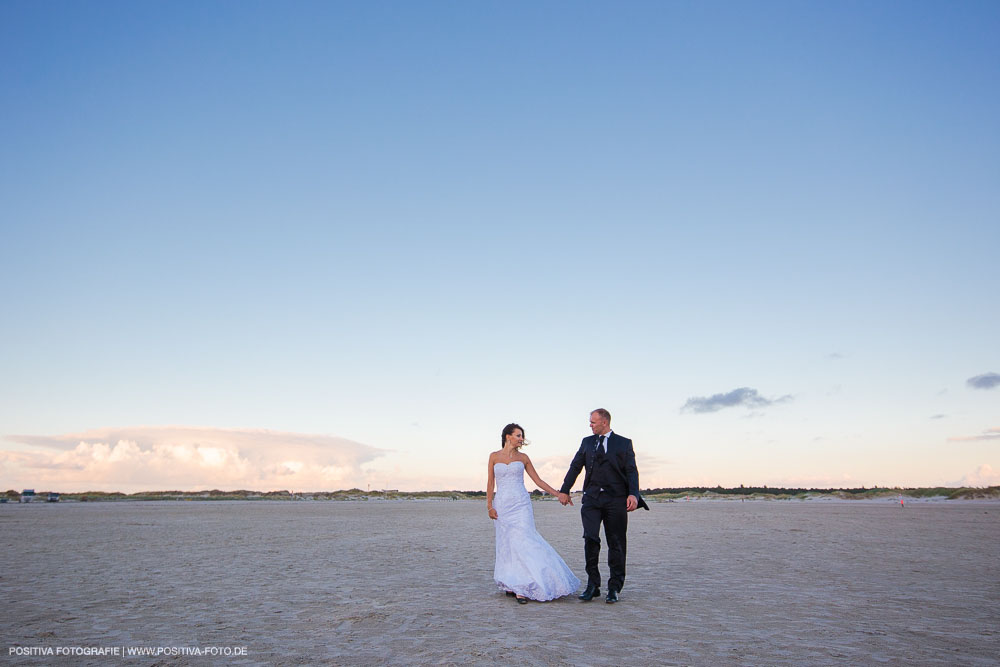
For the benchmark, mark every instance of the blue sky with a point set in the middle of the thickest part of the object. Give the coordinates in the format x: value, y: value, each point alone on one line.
x: 403, y: 225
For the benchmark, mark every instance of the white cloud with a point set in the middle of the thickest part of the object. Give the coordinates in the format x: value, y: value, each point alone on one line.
x: 988, y: 434
x: 984, y: 475
x: 185, y: 458
x: 984, y: 381
x: 745, y: 396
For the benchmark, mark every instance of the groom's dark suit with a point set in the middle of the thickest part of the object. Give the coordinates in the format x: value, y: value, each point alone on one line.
x: 611, y: 477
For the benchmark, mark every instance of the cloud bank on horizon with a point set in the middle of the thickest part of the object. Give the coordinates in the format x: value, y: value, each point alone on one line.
x: 185, y: 459
x: 198, y: 458
x: 982, y: 476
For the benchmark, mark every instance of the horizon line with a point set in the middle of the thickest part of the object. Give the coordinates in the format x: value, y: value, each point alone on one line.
x: 671, y: 489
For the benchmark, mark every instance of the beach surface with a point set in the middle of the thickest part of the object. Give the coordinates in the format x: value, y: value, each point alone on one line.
x: 410, y: 582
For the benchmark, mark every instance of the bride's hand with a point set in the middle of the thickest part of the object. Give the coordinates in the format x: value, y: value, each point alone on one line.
x: 493, y: 513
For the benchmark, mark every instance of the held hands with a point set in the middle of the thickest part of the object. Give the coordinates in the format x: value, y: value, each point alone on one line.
x: 564, y: 499
x: 631, y: 503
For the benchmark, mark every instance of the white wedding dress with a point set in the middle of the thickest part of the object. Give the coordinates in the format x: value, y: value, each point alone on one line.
x: 525, y: 563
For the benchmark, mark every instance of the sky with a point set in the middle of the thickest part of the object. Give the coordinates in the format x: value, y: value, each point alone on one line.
x: 324, y: 245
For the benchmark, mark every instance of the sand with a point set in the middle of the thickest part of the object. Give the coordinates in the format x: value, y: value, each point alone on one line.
x: 410, y: 582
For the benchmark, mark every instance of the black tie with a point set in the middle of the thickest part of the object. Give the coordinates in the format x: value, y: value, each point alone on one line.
x: 598, y: 448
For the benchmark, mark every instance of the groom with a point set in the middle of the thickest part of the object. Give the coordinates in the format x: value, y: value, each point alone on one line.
x: 610, y: 492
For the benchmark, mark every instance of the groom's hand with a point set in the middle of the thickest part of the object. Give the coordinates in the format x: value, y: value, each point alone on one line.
x: 564, y: 499
x: 631, y: 503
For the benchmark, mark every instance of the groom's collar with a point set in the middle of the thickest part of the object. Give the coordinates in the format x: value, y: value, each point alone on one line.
x: 604, y: 435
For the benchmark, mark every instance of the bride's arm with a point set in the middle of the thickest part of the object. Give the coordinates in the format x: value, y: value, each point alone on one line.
x: 489, y: 491
x: 530, y: 469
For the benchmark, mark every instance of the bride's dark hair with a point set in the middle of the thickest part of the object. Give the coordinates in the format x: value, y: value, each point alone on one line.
x: 507, y: 430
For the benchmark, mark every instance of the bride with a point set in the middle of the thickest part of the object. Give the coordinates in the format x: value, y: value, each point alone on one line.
x: 526, y: 566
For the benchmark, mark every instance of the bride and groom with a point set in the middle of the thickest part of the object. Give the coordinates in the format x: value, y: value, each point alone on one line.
x: 527, y: 567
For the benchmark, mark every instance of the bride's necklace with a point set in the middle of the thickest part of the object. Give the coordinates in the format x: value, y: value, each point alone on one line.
x: 508, y: 458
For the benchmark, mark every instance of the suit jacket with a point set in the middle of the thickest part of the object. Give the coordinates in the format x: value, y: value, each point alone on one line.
x: 621, y: 456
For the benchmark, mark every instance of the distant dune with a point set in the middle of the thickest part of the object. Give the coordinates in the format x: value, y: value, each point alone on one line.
x: 655, y: 495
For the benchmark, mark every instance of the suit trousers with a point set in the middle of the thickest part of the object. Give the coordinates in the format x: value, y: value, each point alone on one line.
x: 611, y: 510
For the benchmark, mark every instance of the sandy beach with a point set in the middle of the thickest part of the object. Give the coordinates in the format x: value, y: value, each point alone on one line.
x: 410, y: 582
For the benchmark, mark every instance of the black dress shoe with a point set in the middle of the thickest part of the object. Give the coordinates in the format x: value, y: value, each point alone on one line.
x: 510, y: 594
x: 590, y: 593
x: 612, y: 596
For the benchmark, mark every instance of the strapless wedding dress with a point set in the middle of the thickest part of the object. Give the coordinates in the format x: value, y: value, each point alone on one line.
x: 525, y: 563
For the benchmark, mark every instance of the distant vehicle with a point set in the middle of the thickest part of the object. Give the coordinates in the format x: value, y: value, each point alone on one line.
x: 27, y: 495
x: 53, y: 498
x: 3, y: 499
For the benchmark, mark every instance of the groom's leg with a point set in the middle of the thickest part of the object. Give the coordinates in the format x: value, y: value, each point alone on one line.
x: 591, y: 515
x: 615, y: 527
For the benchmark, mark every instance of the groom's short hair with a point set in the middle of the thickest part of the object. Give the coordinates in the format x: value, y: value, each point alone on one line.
x: 602, y: 413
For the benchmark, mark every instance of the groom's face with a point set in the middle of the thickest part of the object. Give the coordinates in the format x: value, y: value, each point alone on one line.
x: 598, y: 425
